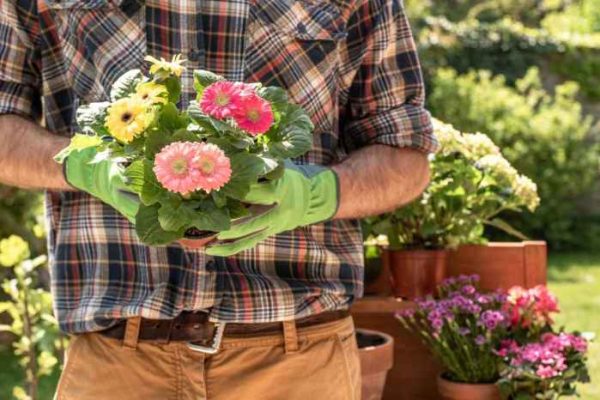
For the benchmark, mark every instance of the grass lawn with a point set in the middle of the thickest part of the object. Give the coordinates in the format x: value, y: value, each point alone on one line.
x: 574, y: 278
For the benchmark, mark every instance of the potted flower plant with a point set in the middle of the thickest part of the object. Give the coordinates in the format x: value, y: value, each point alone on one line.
x: 190, y: 169
x: 471, y: 183
x: 497, y: 345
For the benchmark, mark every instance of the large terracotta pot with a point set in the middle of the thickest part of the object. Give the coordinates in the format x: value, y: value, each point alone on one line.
x: 467, y: 391
x: 415, y: 273
x: 376, y: 351
x: 501, y: 265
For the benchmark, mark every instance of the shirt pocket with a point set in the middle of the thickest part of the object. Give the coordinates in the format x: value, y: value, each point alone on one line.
x: 295, y: 44
x: 99, y: 41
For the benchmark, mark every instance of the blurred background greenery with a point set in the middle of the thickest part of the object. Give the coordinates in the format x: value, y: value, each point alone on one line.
x: 525, y: 72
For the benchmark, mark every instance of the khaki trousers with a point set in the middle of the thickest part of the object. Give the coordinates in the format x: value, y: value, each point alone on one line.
x: 315, y: 363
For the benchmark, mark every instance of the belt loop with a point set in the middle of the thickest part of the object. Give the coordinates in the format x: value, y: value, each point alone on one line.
x: 132, y: 332
x: 290, y: 337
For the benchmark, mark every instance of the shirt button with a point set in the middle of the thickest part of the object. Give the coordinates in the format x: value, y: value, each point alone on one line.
x: 194, y: 55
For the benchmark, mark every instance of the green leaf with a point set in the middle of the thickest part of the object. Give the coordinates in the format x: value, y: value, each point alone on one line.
x: 272, y: 168
x: 505, y: 226
x: 275, y: 95
x: 293, y: 136
x: 237, y: 209
x: 246, y: 169
x: 170, y: 119
x: 156, y: 139
x: 174, y: 216
x: 208, y: 217
x: 173, y: 85
x: 135, y: 176
x: 126, y: 84
x: 207, y: 123
x: 152, y: 190
x: 219, y: 198
x: 183, y: 135
x: 78, y: 142
x: 203, y: 78
x: 148, y: 227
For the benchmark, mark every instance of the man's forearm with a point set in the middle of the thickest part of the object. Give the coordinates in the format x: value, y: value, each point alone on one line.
x: 380, y: 178
x: 26, y: 155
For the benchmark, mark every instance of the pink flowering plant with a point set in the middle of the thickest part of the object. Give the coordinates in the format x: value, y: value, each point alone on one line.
x: 536, y: 362
x: 191, y: 169
x: 506, y: 338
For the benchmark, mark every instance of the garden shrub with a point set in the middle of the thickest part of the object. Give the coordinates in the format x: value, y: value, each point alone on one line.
x: 21, y: 214
x: 544, y: 136
x: 507, y: 47
x: 530, y: 12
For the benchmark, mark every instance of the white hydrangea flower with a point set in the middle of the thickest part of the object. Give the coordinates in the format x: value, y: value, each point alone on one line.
x: 450, y: 139
x: 499, y: 168
x: 526, y: 190
x: 478, y: 145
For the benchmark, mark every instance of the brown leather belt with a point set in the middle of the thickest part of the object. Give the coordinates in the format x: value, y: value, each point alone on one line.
x: 195, y: 327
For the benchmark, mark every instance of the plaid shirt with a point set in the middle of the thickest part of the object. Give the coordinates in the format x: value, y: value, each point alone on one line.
x: 351, y: 64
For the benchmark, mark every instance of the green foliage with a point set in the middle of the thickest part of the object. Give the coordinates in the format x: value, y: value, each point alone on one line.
x: 580, y: 17
x: 507, y: 47
x: 29, y: 307
x: 530, y: 12
x: 21, y: 214
x: 504, y: 47
x: 471, y: 183
x: 545, y: 136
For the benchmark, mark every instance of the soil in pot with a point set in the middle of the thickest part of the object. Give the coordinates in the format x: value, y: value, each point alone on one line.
x: 376, y: 352
x: 415, y: 273
x: 467, y: 391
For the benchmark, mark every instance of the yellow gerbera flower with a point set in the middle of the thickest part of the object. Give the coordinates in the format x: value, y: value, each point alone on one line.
x: 127, y: 118
x: 151, y: 93
x: 173, y: 67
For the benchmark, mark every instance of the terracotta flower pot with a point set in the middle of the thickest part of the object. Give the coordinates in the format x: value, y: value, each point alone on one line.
x: 415, y: 273
x: 467, y: 391
x: 376, y: 352
x: 501, y: 265
x: 198, y: 242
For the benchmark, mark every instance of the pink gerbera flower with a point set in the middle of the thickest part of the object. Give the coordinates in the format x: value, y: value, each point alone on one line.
x: 245, y: 89
x: 213, y: 166
x: 219, y: 99
x: 184, y: 167
x: 253, y: 114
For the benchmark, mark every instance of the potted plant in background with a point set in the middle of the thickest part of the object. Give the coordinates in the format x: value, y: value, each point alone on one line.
x: 497, y: 345
x: 471, y: 183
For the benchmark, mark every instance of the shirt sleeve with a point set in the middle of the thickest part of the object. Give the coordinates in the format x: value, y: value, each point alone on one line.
x: 19, y: 68
x: 385, y: 93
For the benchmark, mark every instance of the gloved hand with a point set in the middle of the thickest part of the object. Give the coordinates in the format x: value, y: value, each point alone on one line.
x: 104, y: 179
x: 305, y: 195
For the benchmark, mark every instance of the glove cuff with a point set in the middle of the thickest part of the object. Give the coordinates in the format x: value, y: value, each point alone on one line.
x: 324, y: 195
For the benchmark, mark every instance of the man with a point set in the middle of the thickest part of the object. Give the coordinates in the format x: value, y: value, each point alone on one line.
x: 262, y: 313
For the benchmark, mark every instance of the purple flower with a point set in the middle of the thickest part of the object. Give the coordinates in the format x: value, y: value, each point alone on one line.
x: 480, y: 340
x: 464, y: 331
x: 437, y: 324
x: 491, y: 319
x: 468, y: 289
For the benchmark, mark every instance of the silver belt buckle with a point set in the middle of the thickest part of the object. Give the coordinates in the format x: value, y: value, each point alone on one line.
x: 216, y: 341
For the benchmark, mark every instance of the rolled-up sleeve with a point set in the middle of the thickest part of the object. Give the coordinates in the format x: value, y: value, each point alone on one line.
x: 385, y: 93
x: 19, y: 68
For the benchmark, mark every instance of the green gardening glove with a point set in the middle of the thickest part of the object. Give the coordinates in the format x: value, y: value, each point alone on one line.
x: 305, y: 195
x: 104, y: 179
